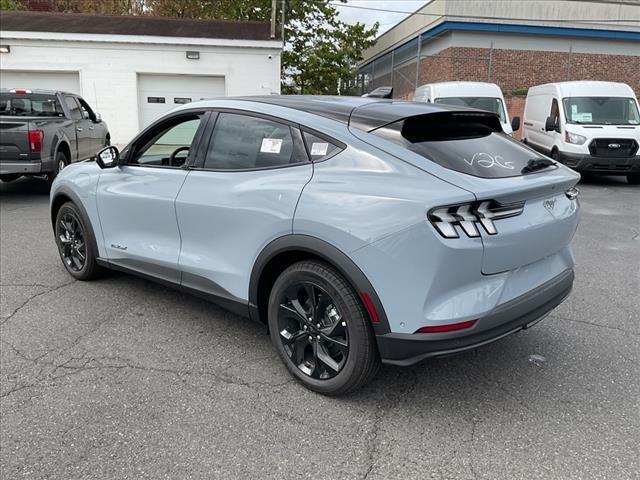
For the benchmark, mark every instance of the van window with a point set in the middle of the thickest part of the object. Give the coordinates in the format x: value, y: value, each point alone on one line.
x: 601, y: 110
x: 490, y: 104
x: 469, y: 143
x: 555, y: 111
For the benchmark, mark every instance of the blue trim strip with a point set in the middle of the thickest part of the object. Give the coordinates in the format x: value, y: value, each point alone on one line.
x: 538, y: 30
x: 526, y: 29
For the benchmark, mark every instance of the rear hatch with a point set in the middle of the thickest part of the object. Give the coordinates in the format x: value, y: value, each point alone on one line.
x: 469, y: 150
x: 19, y: 110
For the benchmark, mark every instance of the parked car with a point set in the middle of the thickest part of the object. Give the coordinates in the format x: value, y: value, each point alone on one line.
x: 481, y: 95
x: 589, y: 126
x: 359, y: 230
x: 43, y: 131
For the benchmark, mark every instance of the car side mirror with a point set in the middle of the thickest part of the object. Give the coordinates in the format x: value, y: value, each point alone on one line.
x: 551, y: 125
x: 515, y: 124
x: 108, y: 157
x: 97, y: 118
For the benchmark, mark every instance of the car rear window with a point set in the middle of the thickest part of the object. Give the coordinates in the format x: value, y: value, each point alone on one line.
x: 471, y: 143
x: 30, y: 105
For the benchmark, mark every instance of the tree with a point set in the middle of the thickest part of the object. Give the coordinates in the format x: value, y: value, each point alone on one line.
x: 10, y: 5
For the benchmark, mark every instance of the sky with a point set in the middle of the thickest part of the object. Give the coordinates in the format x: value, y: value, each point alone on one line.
x: 369, y: 17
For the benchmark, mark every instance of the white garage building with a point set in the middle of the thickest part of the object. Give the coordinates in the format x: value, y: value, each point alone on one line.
x: 133, y: 69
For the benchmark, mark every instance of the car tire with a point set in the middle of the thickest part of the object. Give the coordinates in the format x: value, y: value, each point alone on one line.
x: 633, y: 179
x: 333, y: 351
x: 75, y: 243
x: 60, y: 164
x: 10, y: 177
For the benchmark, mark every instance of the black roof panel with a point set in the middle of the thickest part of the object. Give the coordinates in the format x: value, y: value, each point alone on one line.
x: 364, y: 113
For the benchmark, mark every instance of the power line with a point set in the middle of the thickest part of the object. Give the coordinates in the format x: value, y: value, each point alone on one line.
x: 467, y: 17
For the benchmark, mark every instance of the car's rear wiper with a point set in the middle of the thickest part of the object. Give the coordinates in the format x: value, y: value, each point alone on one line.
x: 537, y: 164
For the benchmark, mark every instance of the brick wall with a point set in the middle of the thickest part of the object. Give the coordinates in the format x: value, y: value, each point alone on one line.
x: 512, y: 70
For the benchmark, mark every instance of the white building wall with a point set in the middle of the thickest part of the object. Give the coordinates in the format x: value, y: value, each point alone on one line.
x: 109, y: 66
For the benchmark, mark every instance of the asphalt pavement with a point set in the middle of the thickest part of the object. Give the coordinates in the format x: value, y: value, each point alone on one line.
x: 123, y: 378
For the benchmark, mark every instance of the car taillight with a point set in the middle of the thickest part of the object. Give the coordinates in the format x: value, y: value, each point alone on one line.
x: 468, y: 215
x: 35, y: 140
x: 19, y: 90
x: 450, y: 327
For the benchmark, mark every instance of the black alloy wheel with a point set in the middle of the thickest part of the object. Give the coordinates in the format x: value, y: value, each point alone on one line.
x: 321, y: 330
x: 71, y: 238
x: 312, y: 331
x: 76, y: 243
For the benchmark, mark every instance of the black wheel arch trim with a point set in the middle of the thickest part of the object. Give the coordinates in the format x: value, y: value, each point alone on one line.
x: 326, y: 252
x: 73, y: 197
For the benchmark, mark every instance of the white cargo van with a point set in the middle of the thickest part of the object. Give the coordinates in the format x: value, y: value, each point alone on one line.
x: 484, y: 96
x: 589, y: 126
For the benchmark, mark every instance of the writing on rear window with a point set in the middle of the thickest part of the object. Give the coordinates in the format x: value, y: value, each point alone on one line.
x: 487, y: 160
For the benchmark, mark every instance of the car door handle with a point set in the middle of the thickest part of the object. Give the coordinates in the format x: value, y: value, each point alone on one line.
x: 91, y: 127
x: 79, y: 129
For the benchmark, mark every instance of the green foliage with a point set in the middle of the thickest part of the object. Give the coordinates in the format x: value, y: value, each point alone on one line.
x: 10, y: 5
x: 519, y: 91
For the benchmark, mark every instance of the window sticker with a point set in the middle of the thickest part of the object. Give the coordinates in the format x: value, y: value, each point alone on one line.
x: 271, y: 145
x: 319, y: 148
x: 574, y: 109
x: 582, y: 117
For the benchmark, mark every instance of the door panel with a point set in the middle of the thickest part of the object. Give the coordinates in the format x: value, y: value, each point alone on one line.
x: 136, y: 201
x: 137, y: 214
x: 225, y: 220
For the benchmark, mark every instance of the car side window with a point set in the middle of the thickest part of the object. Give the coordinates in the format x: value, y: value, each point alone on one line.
x: 74, y: 108
x: 241, y: 142
x: 87, y: 113
x: 169, y: 144
x: 319, y: 148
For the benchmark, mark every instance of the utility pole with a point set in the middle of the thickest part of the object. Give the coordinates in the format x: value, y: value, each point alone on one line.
x: 273, y: 19
x: 282, y: 21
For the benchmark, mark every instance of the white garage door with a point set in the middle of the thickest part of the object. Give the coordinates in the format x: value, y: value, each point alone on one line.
x: 161, y: 93
x: 64, y: 81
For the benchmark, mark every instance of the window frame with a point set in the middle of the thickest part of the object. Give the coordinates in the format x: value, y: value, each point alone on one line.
x: 215, y: 114
x: 132, y: 149
x: 75, y: 100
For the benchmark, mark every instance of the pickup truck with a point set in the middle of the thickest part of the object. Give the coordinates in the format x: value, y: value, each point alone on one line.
x: 43, y: 131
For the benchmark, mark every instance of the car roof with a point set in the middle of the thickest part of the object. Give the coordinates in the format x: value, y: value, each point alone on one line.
x: 586, y: 88
x: 40, y: 91
x: 365, y: 113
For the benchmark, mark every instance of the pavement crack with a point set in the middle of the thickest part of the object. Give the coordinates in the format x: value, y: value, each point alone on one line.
x: 594, y: 324
x: 33, y: 297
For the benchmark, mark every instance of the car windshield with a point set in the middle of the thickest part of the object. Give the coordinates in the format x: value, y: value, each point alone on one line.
x: 30, y: 105
x: 489, y: 104
x: 601, y: 110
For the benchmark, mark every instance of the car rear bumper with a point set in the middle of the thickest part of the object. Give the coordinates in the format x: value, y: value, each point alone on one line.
x: 8, y: 168
x: 520, y: 313
x: 603, y: 165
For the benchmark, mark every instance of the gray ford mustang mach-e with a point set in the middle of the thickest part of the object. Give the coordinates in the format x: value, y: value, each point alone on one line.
x: 359, y: 230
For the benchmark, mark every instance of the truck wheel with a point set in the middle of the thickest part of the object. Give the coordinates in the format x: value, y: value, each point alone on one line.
x: 10, y: 177
x: 74, y: 239
x: 633, y: 179
x: 321, y: 330
x: 60, y: 164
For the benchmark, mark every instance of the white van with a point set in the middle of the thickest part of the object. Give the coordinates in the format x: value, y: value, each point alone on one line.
x: 484, y: 96
x: 589, y: 126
